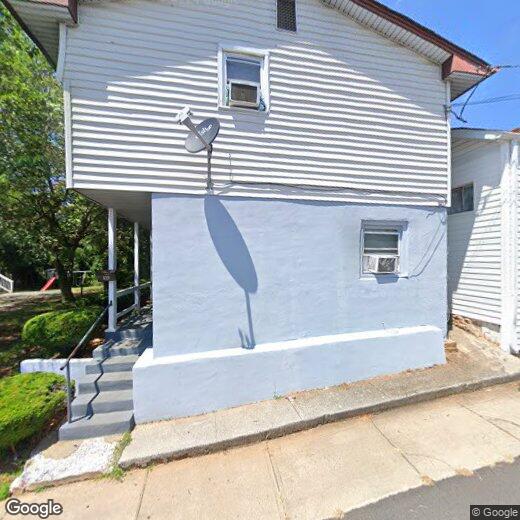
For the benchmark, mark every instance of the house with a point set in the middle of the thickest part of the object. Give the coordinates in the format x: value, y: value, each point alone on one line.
x: 483, y: 233
x: 317, y: 253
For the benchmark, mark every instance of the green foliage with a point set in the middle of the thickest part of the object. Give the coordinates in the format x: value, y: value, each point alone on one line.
x: 59, y: 331
x: 4, y: 490
x: 27, y: 403
x: 38, y: 213
x: 42, y: 224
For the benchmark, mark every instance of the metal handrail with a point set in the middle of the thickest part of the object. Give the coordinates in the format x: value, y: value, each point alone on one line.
x: 66, y: 365
x: 131, y: 290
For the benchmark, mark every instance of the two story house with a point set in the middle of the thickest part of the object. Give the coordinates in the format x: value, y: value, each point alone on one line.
x: 317, y: 253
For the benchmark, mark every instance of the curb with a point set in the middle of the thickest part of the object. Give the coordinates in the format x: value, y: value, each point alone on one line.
x: 305, y: 424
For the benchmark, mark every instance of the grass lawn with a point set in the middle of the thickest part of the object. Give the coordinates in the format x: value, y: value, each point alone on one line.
x: 15, y: 310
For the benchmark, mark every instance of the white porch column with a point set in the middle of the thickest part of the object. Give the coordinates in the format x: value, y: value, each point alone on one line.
x: 112, y: 265
x: 151, y: 265
x: 137, y: 291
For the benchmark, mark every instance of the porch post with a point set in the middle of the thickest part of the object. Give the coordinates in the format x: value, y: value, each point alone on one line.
x: 151, y: 265
x: 112, y: 265
x: 137, y: 291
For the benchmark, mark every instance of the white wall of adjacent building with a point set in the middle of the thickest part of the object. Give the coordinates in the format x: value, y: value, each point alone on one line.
x: 483, y: 251
x: 351, y: 112
x: 474, y: 237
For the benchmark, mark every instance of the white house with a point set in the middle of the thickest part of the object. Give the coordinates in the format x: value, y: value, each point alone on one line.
x: 483, y: 232
x: 318, y: 254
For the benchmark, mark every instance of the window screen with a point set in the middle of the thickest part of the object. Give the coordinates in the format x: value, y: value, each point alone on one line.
x: 462, y: 199
x: 286, y: 14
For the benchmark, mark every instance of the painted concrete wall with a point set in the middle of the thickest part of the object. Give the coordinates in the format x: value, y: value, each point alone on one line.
x: 192, y: 384
x: 230, y: 272
x: 77, y: 366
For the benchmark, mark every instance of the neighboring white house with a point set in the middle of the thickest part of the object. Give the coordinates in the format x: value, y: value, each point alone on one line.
x: 483, y: 232
x: 319, y: 255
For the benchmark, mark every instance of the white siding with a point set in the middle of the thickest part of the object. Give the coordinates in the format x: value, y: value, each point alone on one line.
x: 352, y: 114
x: 474, y: 238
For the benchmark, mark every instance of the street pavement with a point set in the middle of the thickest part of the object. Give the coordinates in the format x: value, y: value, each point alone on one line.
x: 410, y: 454
x: 449, y: 499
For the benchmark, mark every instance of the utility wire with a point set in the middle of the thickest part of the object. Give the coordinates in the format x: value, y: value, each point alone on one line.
x: 510, y: 97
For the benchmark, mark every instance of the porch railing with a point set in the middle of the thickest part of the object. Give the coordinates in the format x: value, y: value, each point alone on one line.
x: 136, y: 291
x: 6, y: 284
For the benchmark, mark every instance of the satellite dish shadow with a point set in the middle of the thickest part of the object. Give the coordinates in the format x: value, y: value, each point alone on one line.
x: 235, y: 256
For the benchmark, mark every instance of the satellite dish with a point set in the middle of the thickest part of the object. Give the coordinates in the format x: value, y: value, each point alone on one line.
x: 208, y: 130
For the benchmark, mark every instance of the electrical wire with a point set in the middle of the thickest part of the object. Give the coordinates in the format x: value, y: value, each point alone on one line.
x: 498, y: 99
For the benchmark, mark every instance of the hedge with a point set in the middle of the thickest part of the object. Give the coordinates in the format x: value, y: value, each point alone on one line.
x: 27, y: 403
x: 58, y: 331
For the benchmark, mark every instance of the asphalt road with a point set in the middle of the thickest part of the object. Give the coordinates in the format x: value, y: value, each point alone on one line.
x: 449, y: 499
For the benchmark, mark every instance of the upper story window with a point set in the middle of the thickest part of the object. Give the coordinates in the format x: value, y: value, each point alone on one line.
x: 243, y: 79
x: 462, y: 199
x: 286, y: 15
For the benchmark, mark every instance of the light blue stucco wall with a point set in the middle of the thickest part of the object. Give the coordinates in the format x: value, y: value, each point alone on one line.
x: 231, y: 272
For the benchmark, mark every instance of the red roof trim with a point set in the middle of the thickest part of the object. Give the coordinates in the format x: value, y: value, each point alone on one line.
x: 423, y: 32
x: 71, y: 5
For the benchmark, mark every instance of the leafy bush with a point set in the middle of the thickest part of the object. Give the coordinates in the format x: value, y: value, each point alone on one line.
x: 58, y: 331
x: 27, y: 403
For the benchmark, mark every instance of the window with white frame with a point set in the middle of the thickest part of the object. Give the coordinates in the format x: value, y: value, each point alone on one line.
x: 243, y: 81
x: 381, y: 249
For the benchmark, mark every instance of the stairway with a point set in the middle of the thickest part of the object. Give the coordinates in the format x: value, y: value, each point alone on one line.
x: 103, y: 404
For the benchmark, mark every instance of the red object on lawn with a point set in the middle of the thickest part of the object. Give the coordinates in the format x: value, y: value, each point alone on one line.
x: 50, y: 281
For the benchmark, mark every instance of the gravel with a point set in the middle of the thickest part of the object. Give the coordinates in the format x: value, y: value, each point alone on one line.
x: 93, y: 457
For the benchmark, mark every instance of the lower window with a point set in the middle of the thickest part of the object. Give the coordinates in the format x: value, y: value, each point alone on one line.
x: 381, y: 249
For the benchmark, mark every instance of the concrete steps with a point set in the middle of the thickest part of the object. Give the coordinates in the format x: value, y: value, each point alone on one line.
x: 104, y: 401
x: 95, y: 383
x: 123, y: 347
x: 113, y: 364
x: 98, y: 425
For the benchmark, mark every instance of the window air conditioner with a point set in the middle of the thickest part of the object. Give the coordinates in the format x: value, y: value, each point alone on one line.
x: 381, y: 264
x: 244, y: 94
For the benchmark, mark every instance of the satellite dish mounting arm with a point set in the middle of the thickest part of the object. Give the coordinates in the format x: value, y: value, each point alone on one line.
x: 183, y: 118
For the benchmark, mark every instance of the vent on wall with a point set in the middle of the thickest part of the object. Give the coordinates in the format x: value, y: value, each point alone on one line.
x: 286, y: 14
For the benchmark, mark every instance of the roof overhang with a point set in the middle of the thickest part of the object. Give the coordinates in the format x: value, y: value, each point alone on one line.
x: 484, y: 134
x: 463, y: 69
x: 40, y: 19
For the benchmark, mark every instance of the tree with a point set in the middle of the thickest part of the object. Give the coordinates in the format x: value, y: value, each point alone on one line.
x: 33, y: 198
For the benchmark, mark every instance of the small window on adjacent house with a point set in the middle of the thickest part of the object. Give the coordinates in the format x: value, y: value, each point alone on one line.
x: 462, y: 199
x: 243, y: 82
x: 286, y: 14
x: 381, y: 250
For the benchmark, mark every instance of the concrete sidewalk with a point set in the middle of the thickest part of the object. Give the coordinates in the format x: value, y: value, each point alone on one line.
x: 320, y: 473
x: 475, y: 365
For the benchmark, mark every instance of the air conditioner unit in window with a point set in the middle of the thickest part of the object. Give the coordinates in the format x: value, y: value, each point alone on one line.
x: 381, y: 264
x: 244, y: 94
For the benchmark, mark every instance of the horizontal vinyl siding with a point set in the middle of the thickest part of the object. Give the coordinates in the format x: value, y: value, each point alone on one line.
x: 474, y: 238
x: 352, y: 115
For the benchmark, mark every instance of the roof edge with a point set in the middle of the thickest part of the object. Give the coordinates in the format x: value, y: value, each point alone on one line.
x: 28, y: 31
x: 485, y: 134
x: 420, y: 30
